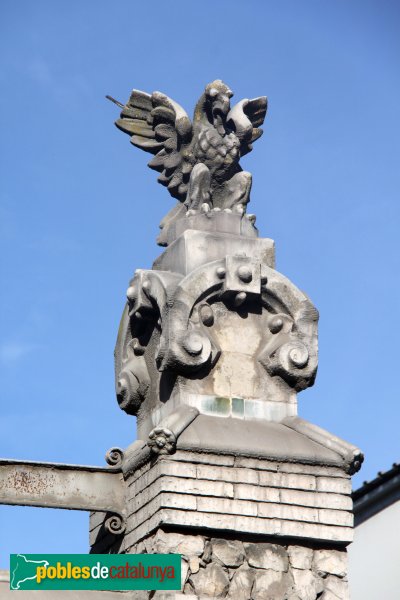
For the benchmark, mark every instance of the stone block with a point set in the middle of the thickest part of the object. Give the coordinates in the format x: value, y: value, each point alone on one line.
x: 267, y: 556
x: 162, y: 468
x: 192, y: 487
x: 286, y: 480
x: 194, y: 564
x: 256, y: 463
x: 307, y: 584
x: 331, y: 562
x: 336, y: 517
x: 243, y: 491
x: 307, y: 469
x: 137, y: 531
x: 289, y: 512
x: 316, y: 531
x: 241, y: 583
x: 234, y: 475
x: 169, y: 542
x: 229, y: 552
x: 211, y: 581
x: 334, y: 484
x: 300, y: 557
x: 338, y: 587
x: 225, y: 506
x: 164, y: 500
x: 316, y: 499
x: 184, y: 571
x: 224, y: 460
x: 271, y: 585
x: 194, y: 248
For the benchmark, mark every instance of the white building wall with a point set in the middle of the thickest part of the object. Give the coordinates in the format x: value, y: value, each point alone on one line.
x: 374, y: 557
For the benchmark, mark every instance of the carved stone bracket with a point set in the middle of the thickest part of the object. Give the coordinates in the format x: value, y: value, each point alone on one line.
x: 291, y: 346
x: 115, y: 524
x: 114, y: 457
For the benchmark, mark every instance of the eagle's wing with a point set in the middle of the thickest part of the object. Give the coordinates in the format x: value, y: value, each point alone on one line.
x: 245, y: 118
x: 160, y: 126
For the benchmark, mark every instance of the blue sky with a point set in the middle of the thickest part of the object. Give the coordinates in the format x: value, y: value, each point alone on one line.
x: 79, y: 209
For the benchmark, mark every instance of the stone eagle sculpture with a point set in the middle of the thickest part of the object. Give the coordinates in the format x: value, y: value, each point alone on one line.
x: 198, y: 161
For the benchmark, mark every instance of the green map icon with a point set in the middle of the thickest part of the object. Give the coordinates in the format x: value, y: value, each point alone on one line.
x: 23, y: 569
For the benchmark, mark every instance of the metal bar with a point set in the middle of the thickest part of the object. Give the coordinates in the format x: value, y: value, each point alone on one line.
x: 52, y: 485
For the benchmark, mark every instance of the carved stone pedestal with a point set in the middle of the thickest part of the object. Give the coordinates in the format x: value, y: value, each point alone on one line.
x: 213, y: 346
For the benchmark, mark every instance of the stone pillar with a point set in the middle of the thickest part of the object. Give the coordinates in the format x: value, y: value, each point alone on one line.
x: 214, y: 345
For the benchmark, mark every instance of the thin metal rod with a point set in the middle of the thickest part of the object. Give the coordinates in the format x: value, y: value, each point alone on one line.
x: 115, y: 101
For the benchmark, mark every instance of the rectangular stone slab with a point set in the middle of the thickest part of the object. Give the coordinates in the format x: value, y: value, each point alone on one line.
x: 52, y: 485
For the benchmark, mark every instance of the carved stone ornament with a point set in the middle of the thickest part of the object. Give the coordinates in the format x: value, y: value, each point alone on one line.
x: 198, y: 161
x: 213, y: 323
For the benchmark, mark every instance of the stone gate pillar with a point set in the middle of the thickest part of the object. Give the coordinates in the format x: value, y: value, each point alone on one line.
x: 213, y: 347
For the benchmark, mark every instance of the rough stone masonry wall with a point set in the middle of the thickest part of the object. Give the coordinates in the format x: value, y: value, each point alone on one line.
x: 251, y: 570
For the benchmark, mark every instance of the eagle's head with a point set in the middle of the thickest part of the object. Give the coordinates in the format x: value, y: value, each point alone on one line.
x: 218, y: 96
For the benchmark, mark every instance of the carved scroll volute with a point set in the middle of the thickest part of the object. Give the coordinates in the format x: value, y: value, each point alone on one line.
x: 131, y: 375
x: 147, y: 296
x: 187, y: 343
x: 291, y: 347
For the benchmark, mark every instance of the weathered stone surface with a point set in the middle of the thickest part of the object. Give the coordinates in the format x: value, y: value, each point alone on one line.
x: 334, y: 484
x: 253, y: 492
x: 207, y: 554
x: 241, y: 583
x: 316, y: 531
x: 220, y: 567
x: 198, y: 487
x: 318, y: 500
x: 184, y: 571
x: 332, y: 562
x: 166, y: 543
x: 161, y: 595
x: 307, y: 584
x: 335, y: 517
x: 337, y: 586
x: 141, y: 548
x: 226, y: 460
x: 188, y: 592
x: 252, y: 525
x: 267, y: 556
x: 238, y: 475
x: 165, y: 500
x: 328, y: 595
x: 229, y: 552
x: 227, y: 506
x: 211, y: 581
x: 300, y: 557
x: 194, y: 564
x: 271, y: 585
x: 270, y: 510
x: 286, y: 480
